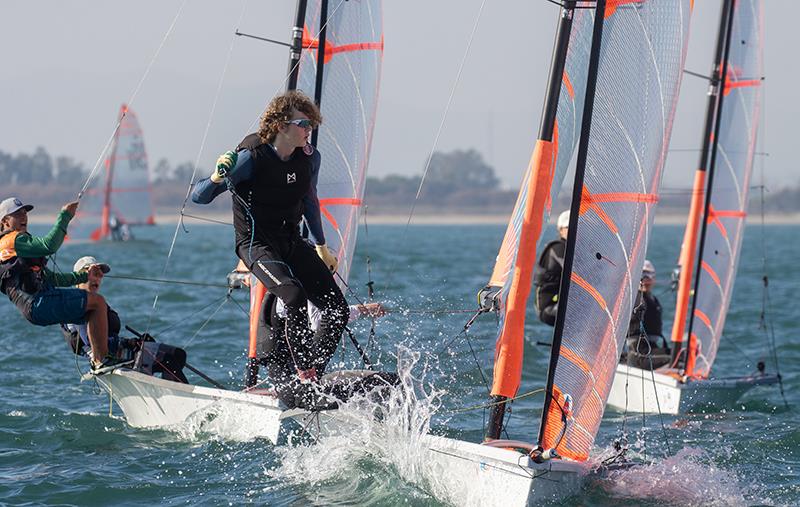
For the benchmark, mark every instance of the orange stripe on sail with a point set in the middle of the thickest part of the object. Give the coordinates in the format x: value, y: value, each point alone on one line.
x: 692, y: 355
x: 711, y: 273
x: 702, y: 316
x: 327, y: 214
x: 575, y: 358
x: 344, y: 201
x: 555, y: 425
x: 591, y: 290
x: 332, y: 49
x: 568, y: 85
x: 612, y: 5
x: 730, y: 85
x: 511, y: 342
x: 588, y: 203
x: 713, y: 218
x: 625, y: 197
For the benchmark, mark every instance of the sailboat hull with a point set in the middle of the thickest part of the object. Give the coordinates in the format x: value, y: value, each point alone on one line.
x: 465, y: 473
x: 147, y: 402
x: 643, y: 391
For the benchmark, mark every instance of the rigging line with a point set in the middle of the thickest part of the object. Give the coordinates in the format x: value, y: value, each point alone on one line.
x: 438, y: 133
x: 197, y: 161
x: 161, y: 280
x: 767, y: 322
x: 464, y: 330
x: 132, y: 99
x: 190, y: 340
x: 187, y: 317
x: 658, y: 403
x: 206, y: 219
x: 478, y: 364
x: 489, y: 405
x: 296, y: 65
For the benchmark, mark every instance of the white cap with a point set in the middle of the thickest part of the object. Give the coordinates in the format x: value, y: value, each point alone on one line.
x: 12, y: 204
x: 84, y: 262
x: 648, y: 270
x: 563, y: 220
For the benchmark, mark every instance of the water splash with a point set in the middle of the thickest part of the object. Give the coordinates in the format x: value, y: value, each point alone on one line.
x: 380, y: 443
x: 687, y: 478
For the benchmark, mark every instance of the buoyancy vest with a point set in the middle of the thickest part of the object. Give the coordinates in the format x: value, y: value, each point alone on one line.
x: 20, y: 277
x: 273, y: 195
x: 547, y: 271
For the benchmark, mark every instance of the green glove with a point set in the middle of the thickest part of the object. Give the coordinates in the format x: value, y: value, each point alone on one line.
x: 225, y: 165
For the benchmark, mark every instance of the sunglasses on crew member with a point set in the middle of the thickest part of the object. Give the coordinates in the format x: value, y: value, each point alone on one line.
x: 303, y: 123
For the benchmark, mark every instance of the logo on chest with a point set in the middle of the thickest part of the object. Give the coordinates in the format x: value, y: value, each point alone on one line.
x: 291, y: 178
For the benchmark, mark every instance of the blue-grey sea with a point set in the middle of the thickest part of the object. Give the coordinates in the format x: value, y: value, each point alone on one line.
x: 62, y: 443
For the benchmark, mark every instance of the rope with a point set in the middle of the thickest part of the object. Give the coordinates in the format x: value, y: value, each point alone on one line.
x: 131, y: 100
x: 493, y: 404
x: 162, y: 280
x: 197, y: 161
x: 766, y: 323
x: 206, y: 219
x: 190, y: 340
x: 438, y: 133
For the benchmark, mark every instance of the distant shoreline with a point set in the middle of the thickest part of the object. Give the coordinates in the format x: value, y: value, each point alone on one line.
x: 432, y: 219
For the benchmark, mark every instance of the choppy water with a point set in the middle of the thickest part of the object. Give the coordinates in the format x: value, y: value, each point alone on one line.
x: 59, y: 445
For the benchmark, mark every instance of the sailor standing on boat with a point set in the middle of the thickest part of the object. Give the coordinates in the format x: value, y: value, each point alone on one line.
x: 273, y: 178
x: 40, y: 294
x: 547, y: 272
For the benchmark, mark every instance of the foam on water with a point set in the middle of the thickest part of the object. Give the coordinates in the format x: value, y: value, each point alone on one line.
x: 686, y: 478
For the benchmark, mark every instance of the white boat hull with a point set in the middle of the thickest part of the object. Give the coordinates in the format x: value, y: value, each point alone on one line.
x: 147, y: 402
x: 464, y: 473
x: 643, y: 391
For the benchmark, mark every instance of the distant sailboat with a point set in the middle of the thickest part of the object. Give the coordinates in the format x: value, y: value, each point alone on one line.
x: 720, y: 197
x: 631, y: 53
x: 124, y: 198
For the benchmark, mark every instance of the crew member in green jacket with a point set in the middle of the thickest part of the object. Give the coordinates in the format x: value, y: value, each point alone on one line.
x: 27, y: 282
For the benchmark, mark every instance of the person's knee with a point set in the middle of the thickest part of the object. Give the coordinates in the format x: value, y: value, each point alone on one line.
x: 292, y: 294
x: 95, y: 302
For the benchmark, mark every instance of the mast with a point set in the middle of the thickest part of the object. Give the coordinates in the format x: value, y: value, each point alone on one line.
x: 704, y: 172
x: 296, y: 51
x: 577, y: 192
x: 323, y: 23
x: 728, y: 19
x: 105, y: 216
x: 546, y: 130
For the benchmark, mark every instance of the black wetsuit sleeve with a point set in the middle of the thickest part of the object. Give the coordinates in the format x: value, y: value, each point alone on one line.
x: 311, y: 205
x: 206, y: 190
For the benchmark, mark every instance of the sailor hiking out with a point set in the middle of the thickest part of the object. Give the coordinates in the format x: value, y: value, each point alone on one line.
x: 41, y: 295
x: 149, y: 357
x: 272, y: 177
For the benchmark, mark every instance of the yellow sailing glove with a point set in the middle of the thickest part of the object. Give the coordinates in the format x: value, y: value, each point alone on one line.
x: 327, y: 257
x: 225, y: 164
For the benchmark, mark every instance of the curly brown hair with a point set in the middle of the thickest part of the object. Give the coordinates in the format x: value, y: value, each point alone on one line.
x: 280, y: 110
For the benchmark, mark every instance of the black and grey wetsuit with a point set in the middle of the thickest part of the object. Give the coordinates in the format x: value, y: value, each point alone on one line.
x: 547, y: 279
x: 271, y: 198
x: 646, y: 346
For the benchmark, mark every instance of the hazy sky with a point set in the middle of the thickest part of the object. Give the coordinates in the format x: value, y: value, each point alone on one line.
x: 68, y: 65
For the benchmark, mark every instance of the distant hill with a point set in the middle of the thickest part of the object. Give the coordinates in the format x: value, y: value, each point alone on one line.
x: 457, y: 182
